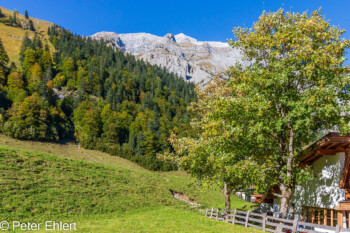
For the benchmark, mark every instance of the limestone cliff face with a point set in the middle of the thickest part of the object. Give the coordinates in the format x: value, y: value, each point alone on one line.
x: 197, y: 61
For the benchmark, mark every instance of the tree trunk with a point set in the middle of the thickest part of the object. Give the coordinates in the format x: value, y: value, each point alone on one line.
x: 227, y: 195
x: 285, y: 187
x: 285, y: 198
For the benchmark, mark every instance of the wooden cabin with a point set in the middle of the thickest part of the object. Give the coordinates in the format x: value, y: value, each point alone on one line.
x: 325, y: 198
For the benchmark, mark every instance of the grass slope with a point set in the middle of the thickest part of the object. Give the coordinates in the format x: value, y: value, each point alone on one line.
x: 37, y: 186
x: 69, y: 150
x: 12, y: 36
x: 163, y: 219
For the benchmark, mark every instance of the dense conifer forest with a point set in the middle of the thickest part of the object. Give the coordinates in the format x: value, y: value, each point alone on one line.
x: 73, y: 87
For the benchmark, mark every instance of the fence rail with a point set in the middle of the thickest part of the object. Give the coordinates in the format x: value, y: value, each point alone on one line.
x: 269, y: 223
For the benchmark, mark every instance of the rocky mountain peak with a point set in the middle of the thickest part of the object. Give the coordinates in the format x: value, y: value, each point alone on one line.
x: 182, y: 38
x: 105, y: 35
x: 170, y: 37
x: 197, y: 61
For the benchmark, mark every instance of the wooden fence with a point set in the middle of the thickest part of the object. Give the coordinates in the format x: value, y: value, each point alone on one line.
x: 269, y: 223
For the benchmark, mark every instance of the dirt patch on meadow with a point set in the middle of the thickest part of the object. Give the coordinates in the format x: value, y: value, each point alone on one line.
x: 183, y: 197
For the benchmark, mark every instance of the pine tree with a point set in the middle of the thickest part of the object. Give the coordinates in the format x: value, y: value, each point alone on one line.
x: 154, y: 124
x: 140, y: 144
x: 26, y: 14
x: 26, y: 42
x: 47, y: 75
x: 1, y: 14
x: 2, y: 77
x: 132, y: 142
x: 29, y: 60
x: 14, y: 23
x: 31, y: 25
x: 37, y: 43
x: 11, y: 20
x: 44, y: 90
x: 3, y: 55
x: 3, y: 62
x: 13, y: 67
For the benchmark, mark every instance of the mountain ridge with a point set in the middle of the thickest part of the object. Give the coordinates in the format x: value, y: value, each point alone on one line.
x: 196, y: 61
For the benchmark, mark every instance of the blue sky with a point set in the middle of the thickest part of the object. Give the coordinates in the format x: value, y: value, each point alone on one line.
x: 203, y: 20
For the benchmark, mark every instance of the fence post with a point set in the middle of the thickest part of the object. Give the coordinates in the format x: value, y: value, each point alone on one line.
x: 226, y: 218
x: 217, y: 215
x: 279, y: 228
x: 337, y: 229
x: 295, y: 225
x: 247, y: 219
x: 206, y: 212
x: 211, y: 213
x: 264, y: 221
x: 234, y: 216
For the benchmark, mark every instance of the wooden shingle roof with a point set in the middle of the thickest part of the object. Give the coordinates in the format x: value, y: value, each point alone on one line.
x: 330, y: 144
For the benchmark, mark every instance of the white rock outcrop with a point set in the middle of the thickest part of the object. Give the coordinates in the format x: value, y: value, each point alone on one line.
x: 197, y: 61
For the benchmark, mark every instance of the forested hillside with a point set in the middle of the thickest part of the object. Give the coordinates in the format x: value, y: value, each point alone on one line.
x: 74, y: 87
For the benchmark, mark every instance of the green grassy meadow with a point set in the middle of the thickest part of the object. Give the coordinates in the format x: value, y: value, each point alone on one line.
x: 162, y: 219
x: 102, y: 193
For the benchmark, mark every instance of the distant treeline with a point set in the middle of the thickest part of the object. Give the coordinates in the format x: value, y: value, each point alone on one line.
x: 76, y: 87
